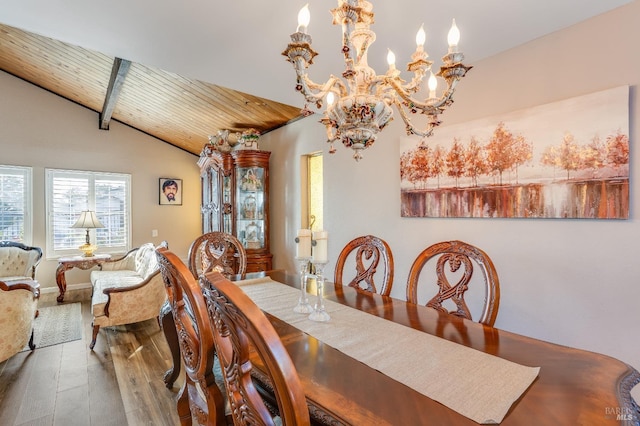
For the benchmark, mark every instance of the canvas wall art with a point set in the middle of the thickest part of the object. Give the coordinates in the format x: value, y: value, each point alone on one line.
x: 567, y: 159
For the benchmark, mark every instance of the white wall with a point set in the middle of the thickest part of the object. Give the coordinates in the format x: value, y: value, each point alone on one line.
x: 573, y: 282
x: 43, y: 130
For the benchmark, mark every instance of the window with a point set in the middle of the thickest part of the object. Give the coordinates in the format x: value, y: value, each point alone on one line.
x: 70, y: 192
x: 15, y: 204
x: 315, y: 191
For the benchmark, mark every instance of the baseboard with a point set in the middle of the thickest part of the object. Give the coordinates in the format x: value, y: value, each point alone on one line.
x: 75, y: 293
x: 70, y: 287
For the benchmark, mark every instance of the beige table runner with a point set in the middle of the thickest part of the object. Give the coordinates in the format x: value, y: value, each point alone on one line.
x: 479, y: 386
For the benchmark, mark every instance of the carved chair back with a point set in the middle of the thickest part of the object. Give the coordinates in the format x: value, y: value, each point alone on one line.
x: 460, y: 258
x: 239, y: 327
x: 200, y: 396
x: 217, y: 251
x: 369, y: 251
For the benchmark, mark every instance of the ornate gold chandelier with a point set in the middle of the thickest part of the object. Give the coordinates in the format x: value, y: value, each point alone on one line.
x: 364, y: 99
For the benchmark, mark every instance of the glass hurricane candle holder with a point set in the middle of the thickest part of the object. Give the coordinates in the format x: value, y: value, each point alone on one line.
x: 303, y: 306
x: 319, y: 314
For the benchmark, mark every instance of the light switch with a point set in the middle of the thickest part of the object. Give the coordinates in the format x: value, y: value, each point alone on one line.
x: 154, y: 232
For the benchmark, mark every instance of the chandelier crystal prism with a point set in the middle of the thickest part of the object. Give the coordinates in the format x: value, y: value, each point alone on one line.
x: 359, y: 104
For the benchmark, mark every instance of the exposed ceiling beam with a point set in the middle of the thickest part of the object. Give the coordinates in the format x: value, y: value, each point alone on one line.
x: 118, y: 74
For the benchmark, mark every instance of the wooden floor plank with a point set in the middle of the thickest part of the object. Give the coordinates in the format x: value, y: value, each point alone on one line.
x: 16, y: 373
x: 105, y: 403
x: 72, y: 407
x: 42, y: 386
x: 119, y: 383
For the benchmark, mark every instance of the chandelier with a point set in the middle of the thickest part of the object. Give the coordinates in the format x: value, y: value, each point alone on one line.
x: 359, y: 104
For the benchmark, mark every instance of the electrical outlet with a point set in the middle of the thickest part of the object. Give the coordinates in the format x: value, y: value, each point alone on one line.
x: 154, y: 232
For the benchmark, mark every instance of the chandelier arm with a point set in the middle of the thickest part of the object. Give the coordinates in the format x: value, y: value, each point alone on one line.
x: 334, y: 84
x: 430, y: 106
x: 416, y: 81
x: 410, y: 128
x: 315, y: 92
x: 412, y: 87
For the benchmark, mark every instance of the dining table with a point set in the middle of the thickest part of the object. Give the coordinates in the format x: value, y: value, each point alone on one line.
x: 560, y: 385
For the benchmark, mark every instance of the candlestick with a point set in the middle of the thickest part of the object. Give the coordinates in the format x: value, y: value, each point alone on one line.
x: 320, y: 254
x: 303, y: 246
x: 303, y: 306
x: 319, y: 314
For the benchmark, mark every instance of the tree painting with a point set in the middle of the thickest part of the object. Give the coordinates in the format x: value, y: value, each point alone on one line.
x: 569, y: 159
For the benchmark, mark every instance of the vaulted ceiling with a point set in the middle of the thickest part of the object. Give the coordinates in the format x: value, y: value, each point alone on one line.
x: 181, y: 71
x: 175, y: 109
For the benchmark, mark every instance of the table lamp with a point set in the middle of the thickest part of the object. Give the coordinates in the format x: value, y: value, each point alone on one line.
x: 88, y: 220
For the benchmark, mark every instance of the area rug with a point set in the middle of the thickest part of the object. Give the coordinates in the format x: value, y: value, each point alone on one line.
x: 57, y: 324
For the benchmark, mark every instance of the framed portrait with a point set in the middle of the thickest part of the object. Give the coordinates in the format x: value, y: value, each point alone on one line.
x: 170, y: 192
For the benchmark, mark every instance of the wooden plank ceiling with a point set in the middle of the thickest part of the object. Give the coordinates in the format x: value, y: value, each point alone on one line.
x: 180, y: 111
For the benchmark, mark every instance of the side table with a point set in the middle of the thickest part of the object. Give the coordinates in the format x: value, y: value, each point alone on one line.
x: 80, y: 262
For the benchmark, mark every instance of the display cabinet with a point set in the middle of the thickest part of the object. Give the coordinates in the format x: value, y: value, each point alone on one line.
x: 235, y: 199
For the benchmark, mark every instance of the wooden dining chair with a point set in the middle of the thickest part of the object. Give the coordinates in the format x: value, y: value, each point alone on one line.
x: 200, y: 397
x: 369, y: 251
x: 239, y: 326
x: 217, y: 251
x: 460, y: 258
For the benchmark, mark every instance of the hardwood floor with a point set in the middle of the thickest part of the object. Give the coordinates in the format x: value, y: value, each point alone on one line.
x: 119, y: 383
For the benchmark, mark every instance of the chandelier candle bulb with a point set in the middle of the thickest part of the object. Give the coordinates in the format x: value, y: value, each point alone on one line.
x: 320, y: 254
x: 453, y: 38
x: 303, y: 246
x: 433, y: 85
x: 304, y: 17
x: 391, y: 60
x: 331, y: 98
x: 421, y: 37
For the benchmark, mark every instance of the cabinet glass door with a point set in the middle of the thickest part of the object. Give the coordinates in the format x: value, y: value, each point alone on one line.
x: 250, y: 222
x: 227, y: 224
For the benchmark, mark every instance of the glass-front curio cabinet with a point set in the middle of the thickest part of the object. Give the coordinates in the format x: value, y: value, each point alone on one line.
x: 235, y: 199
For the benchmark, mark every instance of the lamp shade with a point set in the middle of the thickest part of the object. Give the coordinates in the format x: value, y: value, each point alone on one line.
x: 88, y: 219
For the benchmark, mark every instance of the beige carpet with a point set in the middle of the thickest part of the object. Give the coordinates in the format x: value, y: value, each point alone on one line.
x: 57, y: 324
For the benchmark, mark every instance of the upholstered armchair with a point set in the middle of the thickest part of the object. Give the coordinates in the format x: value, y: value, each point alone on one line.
x: 18, y: 305
x: 18, y: 261
x: 127, y: 290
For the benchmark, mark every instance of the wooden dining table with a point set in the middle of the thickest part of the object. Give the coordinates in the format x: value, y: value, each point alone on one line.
x: 573, y: 387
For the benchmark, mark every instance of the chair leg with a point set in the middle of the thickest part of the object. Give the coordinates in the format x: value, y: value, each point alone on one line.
x: 96, y: 328
x: 32, y: 345
x: 169, y: 328
x: 183, y: 406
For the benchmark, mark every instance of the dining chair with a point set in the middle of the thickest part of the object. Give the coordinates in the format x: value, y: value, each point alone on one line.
x: 457, y: 255
x: 240, y: 327
x: 218, y: 251
x: 200, y: 395
x: 369, y: 250
x: 211, y: 251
